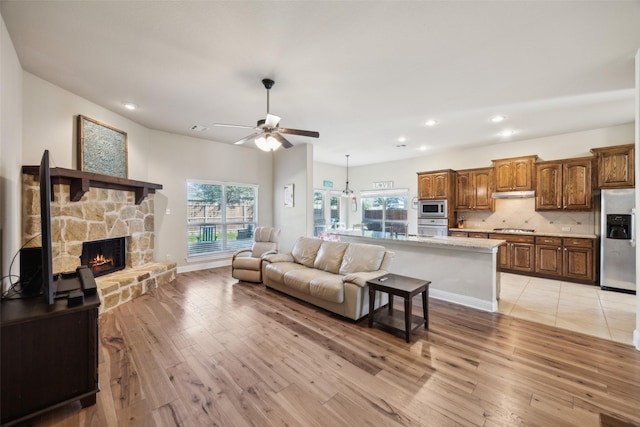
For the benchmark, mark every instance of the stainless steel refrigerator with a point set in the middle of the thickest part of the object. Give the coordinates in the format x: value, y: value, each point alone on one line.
x: 618, y: 240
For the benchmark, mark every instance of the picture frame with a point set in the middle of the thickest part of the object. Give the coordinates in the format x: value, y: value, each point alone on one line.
x: 288, y: 195
x: 102, y: 148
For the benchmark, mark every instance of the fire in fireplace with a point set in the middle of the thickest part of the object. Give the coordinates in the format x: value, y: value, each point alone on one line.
x: 104, y: 256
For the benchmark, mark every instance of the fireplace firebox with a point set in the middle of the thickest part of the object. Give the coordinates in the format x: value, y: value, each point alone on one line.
x: 104, y: 256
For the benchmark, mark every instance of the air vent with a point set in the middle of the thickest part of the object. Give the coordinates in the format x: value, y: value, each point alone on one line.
x: 198, y: 128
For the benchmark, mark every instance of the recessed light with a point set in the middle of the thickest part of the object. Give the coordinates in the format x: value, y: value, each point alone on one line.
x: 423, y: 148
x: 499, y: 118
x: 507, y: 133
x: 431, y: 122
x: 402, y: 139
x: 130, y: 106
x: 199, y: 128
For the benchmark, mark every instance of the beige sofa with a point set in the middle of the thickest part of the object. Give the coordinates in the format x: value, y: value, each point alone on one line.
x: 328, y: 274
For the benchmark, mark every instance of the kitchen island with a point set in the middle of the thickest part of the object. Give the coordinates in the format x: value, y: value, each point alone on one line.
x: 461, y: 270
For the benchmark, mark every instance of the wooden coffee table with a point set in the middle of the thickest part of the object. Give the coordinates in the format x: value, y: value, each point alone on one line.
x: 407, y: 288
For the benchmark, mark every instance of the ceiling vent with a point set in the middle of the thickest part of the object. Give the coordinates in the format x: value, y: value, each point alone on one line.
x: 198, y: 128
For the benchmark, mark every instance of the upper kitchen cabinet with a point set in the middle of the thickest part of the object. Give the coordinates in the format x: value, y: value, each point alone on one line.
x: 514, y: 174
x: 473, y: 190
x: 564, y: 184
x: 436, y: 185
x: 615, y: 166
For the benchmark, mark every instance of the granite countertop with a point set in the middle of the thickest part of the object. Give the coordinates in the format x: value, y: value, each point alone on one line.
x: 462, y: 243
x: 535, y: 233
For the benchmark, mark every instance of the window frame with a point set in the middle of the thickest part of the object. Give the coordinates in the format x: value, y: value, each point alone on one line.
x: 226, y: 248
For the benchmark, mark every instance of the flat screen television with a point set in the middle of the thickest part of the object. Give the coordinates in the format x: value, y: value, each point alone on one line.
x: 48, y: 285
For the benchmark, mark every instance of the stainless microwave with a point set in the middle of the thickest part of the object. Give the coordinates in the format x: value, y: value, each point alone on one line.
x: 433, y: 209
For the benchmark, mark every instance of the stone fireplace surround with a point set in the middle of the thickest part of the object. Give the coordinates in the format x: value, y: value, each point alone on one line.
x: 95, y: 214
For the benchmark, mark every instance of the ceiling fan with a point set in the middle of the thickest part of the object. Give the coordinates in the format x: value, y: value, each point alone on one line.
x: 268, y: 135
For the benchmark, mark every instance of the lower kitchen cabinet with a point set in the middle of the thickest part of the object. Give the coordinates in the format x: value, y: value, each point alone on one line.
x: 518, y: 254
x: 567, y: 258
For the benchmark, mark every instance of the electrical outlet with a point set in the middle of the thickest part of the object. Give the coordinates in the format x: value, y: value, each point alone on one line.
x: 566, y: 228
x: 168, y: 211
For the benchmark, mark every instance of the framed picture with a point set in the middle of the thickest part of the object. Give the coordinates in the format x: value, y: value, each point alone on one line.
x: 101, y: 148
x: 288, y: 196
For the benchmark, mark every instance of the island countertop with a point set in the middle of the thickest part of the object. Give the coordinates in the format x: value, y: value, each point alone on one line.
x: 448, y: 242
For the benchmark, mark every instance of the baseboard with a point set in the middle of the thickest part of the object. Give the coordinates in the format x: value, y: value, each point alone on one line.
x: 464, y: 300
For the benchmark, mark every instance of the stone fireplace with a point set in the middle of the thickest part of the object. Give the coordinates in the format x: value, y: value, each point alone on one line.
x: 88, y: 210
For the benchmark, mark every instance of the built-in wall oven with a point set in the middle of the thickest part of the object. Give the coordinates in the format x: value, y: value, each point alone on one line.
x: 433, y: 218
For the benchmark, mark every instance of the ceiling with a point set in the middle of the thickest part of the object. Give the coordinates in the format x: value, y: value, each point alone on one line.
x: 363, y: 74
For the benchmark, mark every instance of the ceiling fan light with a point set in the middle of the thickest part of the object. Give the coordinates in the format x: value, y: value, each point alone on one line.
x: 268, y: 143
x: 261, y: 143
x: 273, y: 143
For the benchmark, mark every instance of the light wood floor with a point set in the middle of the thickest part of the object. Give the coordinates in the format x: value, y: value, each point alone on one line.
x: 208, y: 351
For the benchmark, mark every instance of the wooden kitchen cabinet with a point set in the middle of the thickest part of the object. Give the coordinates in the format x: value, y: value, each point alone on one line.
x: 579, y: 259
x: 564, y: 184
x: 436, y: 185
x: 549, y: 256
x: 616, y: 166
x: 568, y: 258
x: 458, y: 234
x: 514, y: 174
x: 518, y: 254
x: 473, y: 190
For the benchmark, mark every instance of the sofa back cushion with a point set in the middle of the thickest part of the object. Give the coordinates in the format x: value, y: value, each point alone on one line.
x: 305, y: 249
x: 362, y: 258
x: 329, y: 257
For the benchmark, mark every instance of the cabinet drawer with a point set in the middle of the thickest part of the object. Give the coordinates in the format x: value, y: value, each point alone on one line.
x: 458, y: 234
x: 546, y: 240
x: 578, y: 243
x: 479, y: 235
x: 512, y: 238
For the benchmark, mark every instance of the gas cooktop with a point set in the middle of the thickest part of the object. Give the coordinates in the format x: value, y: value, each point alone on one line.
x: 515, y: 230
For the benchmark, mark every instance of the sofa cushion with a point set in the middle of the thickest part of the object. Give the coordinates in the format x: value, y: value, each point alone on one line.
x: 275, y: 272
x: 329, y: 257
x: 362, y: 257
x: 305, y: 249
x: 329, y: 288
x: 301, y: 278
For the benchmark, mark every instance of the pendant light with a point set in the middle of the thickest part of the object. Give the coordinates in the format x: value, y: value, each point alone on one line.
x: 347, y: 191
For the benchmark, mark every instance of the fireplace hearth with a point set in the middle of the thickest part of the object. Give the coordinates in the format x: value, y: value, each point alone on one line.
x: 104, y: 256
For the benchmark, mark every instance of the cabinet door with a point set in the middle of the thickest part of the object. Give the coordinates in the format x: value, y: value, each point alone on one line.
x: 578, y: 193
x: 549, y: 186
x: 464, y: 191
x: 522, y: 175
x: 549, y: 260
x: 504, y: 256
x: 425, y: 186
x: 522, y: 257
x: 441, y: 185
x: 504, y: 175
x: 482, y: 189
x: 579, y: 263
x: 616, y: 166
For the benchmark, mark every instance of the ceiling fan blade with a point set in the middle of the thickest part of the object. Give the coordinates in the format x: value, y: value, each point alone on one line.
x: 309, y: 133
x: 272, y: 121
x: 234, y: 126
x: 283, y: 141
x: 247, y: 138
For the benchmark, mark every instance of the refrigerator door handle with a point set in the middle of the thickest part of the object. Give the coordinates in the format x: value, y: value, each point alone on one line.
x: 632, y: 242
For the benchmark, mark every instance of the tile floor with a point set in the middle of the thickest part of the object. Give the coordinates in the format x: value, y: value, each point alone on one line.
x: 580, y: 308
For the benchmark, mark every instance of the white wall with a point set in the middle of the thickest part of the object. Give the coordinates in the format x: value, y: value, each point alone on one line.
x: 10, y: 154
x: 173, y: 160
x: 293, y: 166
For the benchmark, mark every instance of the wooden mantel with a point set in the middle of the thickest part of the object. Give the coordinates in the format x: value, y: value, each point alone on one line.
x: 81, y: 181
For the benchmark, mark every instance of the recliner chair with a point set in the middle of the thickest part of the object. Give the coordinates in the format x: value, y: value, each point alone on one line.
x: 246, y: 264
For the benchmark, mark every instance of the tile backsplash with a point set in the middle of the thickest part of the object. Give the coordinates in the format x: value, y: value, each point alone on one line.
x: 521, y: 213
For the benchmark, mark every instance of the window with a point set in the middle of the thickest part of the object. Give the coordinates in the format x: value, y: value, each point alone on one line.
x: 221, y: 217
x: 326, y: 211
x: 385, y: 210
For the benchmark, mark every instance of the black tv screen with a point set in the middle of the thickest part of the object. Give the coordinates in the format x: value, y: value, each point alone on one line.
x: 45, y: 227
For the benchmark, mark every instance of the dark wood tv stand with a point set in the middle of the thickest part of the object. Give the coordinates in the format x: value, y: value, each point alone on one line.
x: 49, y: 356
